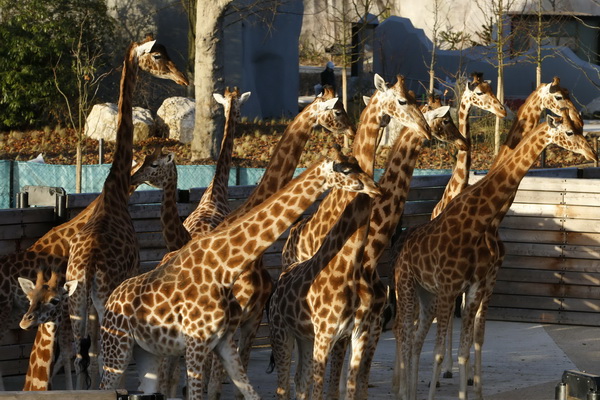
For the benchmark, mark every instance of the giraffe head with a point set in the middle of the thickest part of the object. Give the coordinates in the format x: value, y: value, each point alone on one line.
x: 232, y: 100
x: 396, y: 102
x: 564, y: 133
x: 479, y: 93
x: 555, y: 98
x: 433, y: 102
x: 343, y: 172
x: 157, y: 170
x: 328, y: 111
x: 153, y: 58
x: 45, y: 298
x: 443, y: 128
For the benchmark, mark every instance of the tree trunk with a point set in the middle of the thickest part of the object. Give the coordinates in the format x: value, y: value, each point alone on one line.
x: 78, y: 168
x: 208, y: 127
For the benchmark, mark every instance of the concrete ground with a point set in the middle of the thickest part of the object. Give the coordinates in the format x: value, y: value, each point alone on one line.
x: 520, y: 361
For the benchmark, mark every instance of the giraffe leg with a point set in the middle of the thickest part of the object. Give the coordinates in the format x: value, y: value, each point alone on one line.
x: 448, y: 364
x: 169, y: 374
x: 65, y: 339
x: 304, y: 369
x: 376, y: 327
x: 338, y: 355
x: 117, y: 349
x: 472, y: 302
x: 323, y: 344
x: 403, y: 329
x: 231, y: 361
x: 282, y: 346
x: 78, y: 307
x: 214, y: 382
x: 196, y: 352
x: 443, y: 311
x: 94, y: 330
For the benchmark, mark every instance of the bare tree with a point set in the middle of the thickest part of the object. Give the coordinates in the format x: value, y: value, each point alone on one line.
x: 86, y: 64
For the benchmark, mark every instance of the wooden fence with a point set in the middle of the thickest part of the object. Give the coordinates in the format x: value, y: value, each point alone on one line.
x: 552, y: 235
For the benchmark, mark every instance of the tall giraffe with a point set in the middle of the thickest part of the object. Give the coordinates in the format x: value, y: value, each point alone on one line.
x: 477, y: 93
x: 385, y: 214
x: 549, y: 96
x: 298, y: 312
x: 453, y: 252
x: 47, y: 311
x: 185, y: 306
x: 214, y: 205
x: 105, y: 251
x: 254, y: 286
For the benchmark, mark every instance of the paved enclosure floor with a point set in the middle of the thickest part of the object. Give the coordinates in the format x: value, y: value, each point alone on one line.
x: 521, y: 361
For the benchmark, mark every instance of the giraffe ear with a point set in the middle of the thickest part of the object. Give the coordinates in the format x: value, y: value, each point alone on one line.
x: 70, y: 287
x: 552, y: 122
x: 219, y: 98
x: 436, y: 113
x: 329, y: 104
x: 145, y: 47
x: 244, y: 97
x: 170, y: 157
x: 366, y: 100
x: 27, y: 285
x: 380, y: 83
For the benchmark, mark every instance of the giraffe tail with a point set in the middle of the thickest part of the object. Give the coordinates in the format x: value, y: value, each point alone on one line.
x: 271, y: 366
x: 84, y: 345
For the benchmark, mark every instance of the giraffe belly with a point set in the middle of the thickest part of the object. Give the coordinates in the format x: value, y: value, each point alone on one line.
x: 161, y: 340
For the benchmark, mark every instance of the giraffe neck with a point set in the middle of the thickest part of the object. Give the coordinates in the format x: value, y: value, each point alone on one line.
x: 281, y: 167
x: 527, y: 118
x: 242, y: 242
x: 502, y: 182
x: 41, y: 359
x: 174, y: 233
x: 217, y: 191
x: 323, y: 219
x: 387, y: 209
x: 459, y: 179
x: 116, y: 186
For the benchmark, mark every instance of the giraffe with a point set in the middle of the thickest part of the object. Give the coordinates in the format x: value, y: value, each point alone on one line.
x: 159, y: 170
x: 185, y: 306
x: 549, y: 96
x: 297, y: 311
x: 477, y: 93
x: 385, y: 214
x: 454, y: 252
x: 254, y: 286
x: 105, y: 251
x: 214, y: 205
x: 51, y: 251
x: 48, y: 312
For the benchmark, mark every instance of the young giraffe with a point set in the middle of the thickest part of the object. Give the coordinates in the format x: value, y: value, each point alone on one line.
x: 254, y: 286
x: 453, y: 252
x: 156, y: 171
x: 385, y: 214
x: 185, y: 306
x: 297, y: 310
x: 214, y: 205
x: 105, y: 251
x: 47, y: 311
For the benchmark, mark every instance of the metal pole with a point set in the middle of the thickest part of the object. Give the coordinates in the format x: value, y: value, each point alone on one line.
x: 101, y: 151
x: 560, y: 392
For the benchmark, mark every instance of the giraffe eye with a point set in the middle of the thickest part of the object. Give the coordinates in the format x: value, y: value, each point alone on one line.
x: 154, y: 165
x: 558, y: 98
x: 479, y: 93
x: 402, y: 102
x: 570, y: 133
x: 156, y: 56
x: 337, y: 113
x: 54, y: 301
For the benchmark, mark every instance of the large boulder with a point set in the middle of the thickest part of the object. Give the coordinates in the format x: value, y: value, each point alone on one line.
x: 101, y: 123
x: 175, y: 119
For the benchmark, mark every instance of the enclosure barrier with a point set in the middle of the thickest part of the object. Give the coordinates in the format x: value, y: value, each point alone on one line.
x: 551, y: 273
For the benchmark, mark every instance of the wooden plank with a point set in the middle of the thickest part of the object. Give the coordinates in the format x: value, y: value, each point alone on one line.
x: 538, y: 197
x: 527, y: 289
x: 525, y: 222
x: 429, y: 180
x: 529, y: 302
x: 582, y: 185
x: 581, y: 225
x: 582, y: 238
x: 579, y: 252
x: 537, y: 210
x: 12, y: 232
x: 425, y: 193
x: 521, y: 315
x: 16, y: 216
x: 585, y: 212
x: 419, y: 207
x: 525, y: 235
x: 60, y: 395
x: 533, y: 249
x: 532, y: 276
x: 581, y: 198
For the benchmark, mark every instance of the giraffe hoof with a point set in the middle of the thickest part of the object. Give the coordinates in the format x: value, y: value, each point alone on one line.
x: 437, y: 384
x: 447, y: 375
x: 470, y: 382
